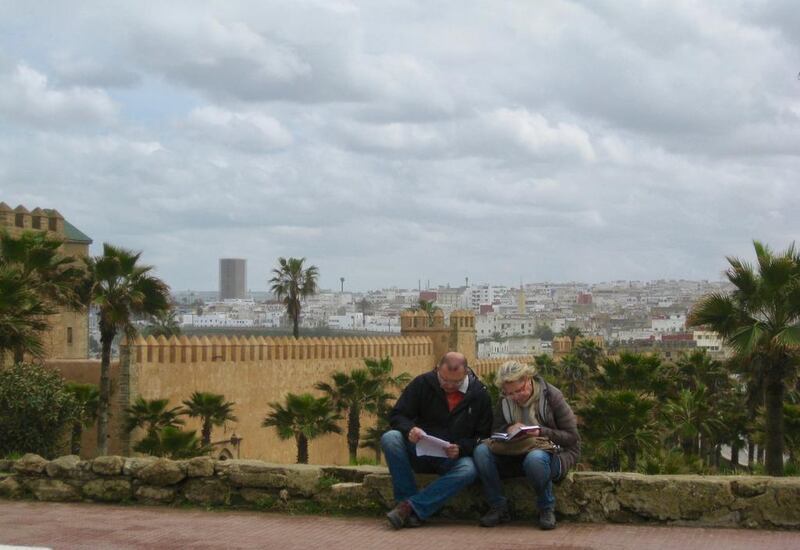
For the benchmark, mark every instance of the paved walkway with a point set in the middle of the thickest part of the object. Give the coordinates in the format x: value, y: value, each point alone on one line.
x: 61, y: 526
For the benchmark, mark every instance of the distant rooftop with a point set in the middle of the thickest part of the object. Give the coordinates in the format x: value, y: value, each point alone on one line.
x: 75, y: 235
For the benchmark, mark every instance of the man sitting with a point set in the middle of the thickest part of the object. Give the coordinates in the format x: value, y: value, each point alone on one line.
x: 449, y: 403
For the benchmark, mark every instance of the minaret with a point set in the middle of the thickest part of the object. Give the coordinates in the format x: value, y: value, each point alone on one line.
x: 521, y: 299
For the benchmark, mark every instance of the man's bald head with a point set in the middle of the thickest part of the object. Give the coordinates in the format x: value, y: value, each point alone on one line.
x: 453, y: 361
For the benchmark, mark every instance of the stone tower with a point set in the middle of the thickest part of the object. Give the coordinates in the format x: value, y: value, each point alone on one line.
x: 68, y: 335
x: 459, y: 336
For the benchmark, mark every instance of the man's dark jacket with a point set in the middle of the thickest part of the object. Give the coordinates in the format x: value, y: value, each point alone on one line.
x: 423, y: 404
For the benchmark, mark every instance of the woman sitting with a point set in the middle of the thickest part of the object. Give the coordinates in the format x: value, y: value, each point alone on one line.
x: 542, y: 454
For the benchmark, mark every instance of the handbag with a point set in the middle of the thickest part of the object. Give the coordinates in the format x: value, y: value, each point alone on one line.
x: 520, y: 446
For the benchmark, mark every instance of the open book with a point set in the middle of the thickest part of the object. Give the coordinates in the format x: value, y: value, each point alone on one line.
x: 522, y: 430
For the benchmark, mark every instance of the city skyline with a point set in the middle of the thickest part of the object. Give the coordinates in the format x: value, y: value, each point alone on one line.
x: 392, y: 142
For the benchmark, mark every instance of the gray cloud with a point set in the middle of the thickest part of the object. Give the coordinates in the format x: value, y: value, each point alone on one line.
x: 557, y: 141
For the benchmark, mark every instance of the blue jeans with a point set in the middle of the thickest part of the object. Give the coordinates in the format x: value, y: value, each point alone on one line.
x: 540, y: 467
x: 403, y: 461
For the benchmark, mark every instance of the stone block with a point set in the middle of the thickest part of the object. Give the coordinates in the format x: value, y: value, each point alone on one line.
x: 53, y: 490
x: 133, y: 465
x: 11, y: 488
x: 6, y: 465
x: 254, y: 473
x: 379, y: 487
x: 783, y: 508
x: 148, y: 494
x: 30, y: 464
x: 161, y: 472
x: 253, y: 496
x: 747, y: 486
x: 704, y: 497
x: 653, y: 497
x: 64, y: 467
x: 108, y: 490
x: 354, y: 474
x: 108, y: 465
x: 200, y: 466
x: 207, y: 491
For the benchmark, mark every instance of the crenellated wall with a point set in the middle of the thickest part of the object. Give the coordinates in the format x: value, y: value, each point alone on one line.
x: 486, y: 366
x: 254, y: 372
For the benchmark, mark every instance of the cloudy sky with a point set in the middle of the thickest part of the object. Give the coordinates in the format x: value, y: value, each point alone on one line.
x: 394, y: 141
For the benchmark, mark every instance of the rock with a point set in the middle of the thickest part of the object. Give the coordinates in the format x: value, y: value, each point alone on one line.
x: 6, y: 465
x: 207, y: 491
x: 254, y: 473
x: 704, y: 497
x: 783, y: 508
x: 745, y: 486
x: 161, y: 472
x: 134, y: 465
x: 200, y: 466
x: 108, y: 490
x: 303, y: 479
x: 53, y: 490
x: 255, y: 496
x: 148, y: 494
x: 64, y: 467
x: 108, y: 465
x: 654, y: 497
x: 11, y: 488
x: 355, y: 474
x: 379, y: 488
x: 30, y: 464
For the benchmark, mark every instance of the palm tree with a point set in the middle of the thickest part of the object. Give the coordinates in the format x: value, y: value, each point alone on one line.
x: 211, y: 409
x: 22, y: 316
x: 303, y: 417
x: 617, y: 424
x: 573, y: 333
x: 353, y: 393
x: 546, y: 365
x: 690, y: 418
x: 589, y: 353
x: 429, y: 307
x: 292, y: 283
x: 574, y: 373
x: 173, y: 443
x: 120, y: 288
x: 36, y: 279
x: 380, y: 405
x: 152, y: 415
x: 164, y: 323
x: 760, y: 318
x: 87, y: 397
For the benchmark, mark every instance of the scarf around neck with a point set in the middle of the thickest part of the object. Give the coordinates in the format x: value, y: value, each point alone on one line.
x: 528, y: 413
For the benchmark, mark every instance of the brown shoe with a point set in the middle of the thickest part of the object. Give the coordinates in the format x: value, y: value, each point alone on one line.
x: 400, y: 514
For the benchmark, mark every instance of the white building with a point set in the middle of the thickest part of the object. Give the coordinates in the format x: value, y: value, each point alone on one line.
x: 669, y: 323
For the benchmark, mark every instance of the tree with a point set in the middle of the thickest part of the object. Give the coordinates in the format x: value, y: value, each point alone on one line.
x: 760, y: 319
x: 164, y: 323
x: 574, y: 373
x: 302, y: 417
x: 544, y: 332
x: 619, y: 424
x: 211, y: 409
x: 573, y: 333
x: 546, y: 366
x: 172, y: 442
x: 429, y: 307
x: 120, y: 287
x: 86, y: 398
x: 152, y: 415
x: 589, y: 353
x: 35, y: 410
x: 292, y: 283
x: 366, y: 308
x: 35, y: 279
x: 352, y: 393
x: 690, y: 417
x: 22, y: 316
x: 381, y: 370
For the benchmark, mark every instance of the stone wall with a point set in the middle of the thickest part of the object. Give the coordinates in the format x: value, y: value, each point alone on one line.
x: 253, y: 372
x: 731, y: 501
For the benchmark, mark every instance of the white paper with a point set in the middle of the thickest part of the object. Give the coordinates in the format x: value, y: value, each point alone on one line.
x: 431, y: 446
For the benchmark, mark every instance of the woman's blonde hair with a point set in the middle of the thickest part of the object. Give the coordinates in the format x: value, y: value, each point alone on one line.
x: 511, y: 371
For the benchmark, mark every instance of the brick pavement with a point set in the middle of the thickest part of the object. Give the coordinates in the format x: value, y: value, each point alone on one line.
x: 95, y: 526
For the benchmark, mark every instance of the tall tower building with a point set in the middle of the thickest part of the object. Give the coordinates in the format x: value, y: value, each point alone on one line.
x: 232, y: 278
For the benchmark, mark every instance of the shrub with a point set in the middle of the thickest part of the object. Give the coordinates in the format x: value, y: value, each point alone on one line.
x: 35, y: 409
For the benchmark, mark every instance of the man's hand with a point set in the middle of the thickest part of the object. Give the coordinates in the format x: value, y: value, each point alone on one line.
x: 452, y: 451
x: 415, y: 434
